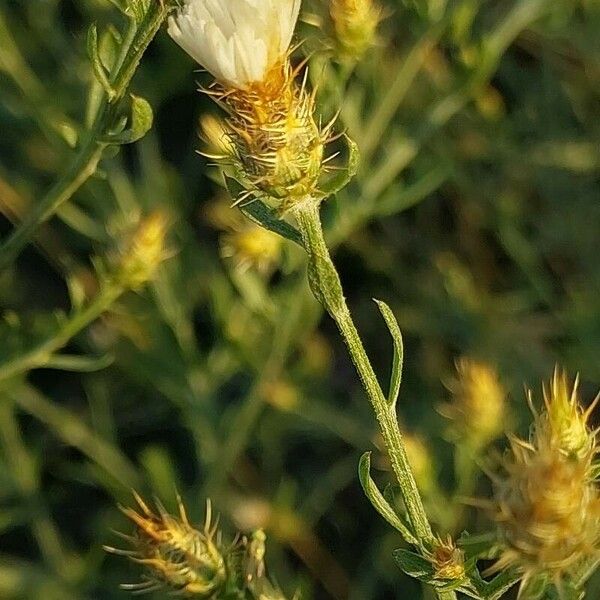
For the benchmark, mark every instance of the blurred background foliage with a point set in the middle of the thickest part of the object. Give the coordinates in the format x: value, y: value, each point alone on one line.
x: 475, y: 215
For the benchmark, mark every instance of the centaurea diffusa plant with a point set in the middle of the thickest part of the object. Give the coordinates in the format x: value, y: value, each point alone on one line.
x: 279, y: 152
x: 274, y: 164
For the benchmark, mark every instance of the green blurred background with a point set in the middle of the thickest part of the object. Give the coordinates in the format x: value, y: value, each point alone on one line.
x: 475, y: 215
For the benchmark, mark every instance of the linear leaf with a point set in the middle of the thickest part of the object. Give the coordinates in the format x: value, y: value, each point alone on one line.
x: 396, y: 376
x: 378, y: 501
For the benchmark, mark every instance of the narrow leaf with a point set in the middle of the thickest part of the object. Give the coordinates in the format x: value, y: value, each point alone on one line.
x: 261, y: 214
x: 378, y: 501
x: 139, y: 8
x: 138, y: 123
x: 396, y: 376
x: 98, y: 68
x: 79, y: 364
x: 338, y: 182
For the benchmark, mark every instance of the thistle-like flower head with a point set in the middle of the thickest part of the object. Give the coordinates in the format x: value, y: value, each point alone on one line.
x: 548, y: 504
x: 238, y: 41
x: 176, y: 555
x: 564, y: 419
x: 273, y: 142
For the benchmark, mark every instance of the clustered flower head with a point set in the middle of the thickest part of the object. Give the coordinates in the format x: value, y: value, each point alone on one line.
x: 143, y: 251
x: 355, y: 23
x: 247, y: 244
x: 245, y: 44
x: 191, y: 563
x: 176, y: 555
x: 547, y: 504
x: 478, y: 407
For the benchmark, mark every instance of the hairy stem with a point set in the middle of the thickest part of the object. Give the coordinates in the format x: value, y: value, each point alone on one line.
x: 42, y: 354
x: 327, y: 288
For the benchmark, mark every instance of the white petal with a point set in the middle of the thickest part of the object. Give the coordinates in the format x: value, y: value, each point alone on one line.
x: 238, y: 41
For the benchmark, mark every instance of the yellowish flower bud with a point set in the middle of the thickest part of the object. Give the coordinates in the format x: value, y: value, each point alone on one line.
x: 547, y: 504
x: 355, y: 23
x: 247, y: 244
x: 144, y: 251
x: 421, y: 461
x: 282, y: 395
x: 278, y: 145
x: 478, y: 407
x: 564, y: 421
x: 176, y: 555
x: 447, y: 560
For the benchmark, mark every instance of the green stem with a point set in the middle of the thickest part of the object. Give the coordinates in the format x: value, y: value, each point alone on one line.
x: 85, y: 162
x: 40, y: 355
x: 326, y: 286
x: 81, y: 169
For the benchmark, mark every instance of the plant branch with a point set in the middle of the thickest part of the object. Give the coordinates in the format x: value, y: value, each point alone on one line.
x: 85, y: 162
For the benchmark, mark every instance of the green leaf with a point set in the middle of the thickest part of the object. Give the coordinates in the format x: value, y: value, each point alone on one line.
x: 396, y: 376
x: 420, y: 568
x: 142, y: 118
x: 379, y: 502
x: 139, y: 8
x: 138, y: 123
x: 482, y: 546
x: 97, y: 66
x: 108, y: 47
x: 261, y: 214
x: 338, y: 182
x: 78, y: 364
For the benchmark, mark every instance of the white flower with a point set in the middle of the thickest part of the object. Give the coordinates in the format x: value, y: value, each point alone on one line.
x: 238, y: 41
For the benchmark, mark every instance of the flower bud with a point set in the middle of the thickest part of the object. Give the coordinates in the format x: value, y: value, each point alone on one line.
x: 547, y: 504
x: 421, y: 461
x: 447, y: 560
x: 355, y: 23
x: 176, y: 555
x: 143, y: 252
x: 564, y: 420
x: 478, y: 407
x: 247, y: 244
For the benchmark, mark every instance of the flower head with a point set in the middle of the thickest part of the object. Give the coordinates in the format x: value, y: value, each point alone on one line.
x: 237, y: 41
x: 547, y: 504
x: 247, y: 244
x: 478, y: 407
x: 564, y: 419
x: 176, y: 555
x: 447, y: 560
x: 144, y: 251
x: 355, y: 23
x: 272, y: 141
